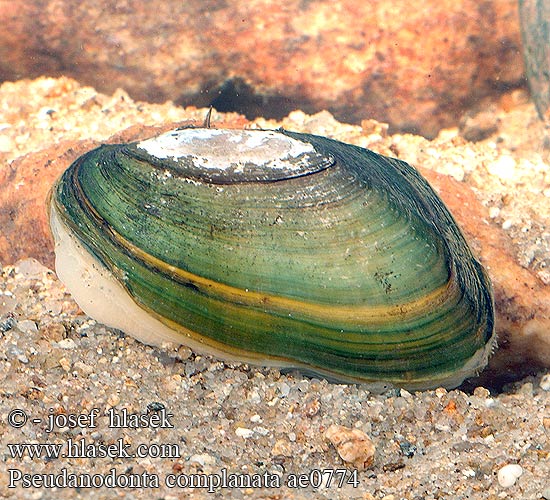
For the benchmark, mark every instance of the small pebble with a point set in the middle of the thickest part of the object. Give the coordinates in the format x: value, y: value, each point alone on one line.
x: 526, y: 389
x: 113, y: 400
x: 353, y: 445
x: 440, y: 392
x: 65, y: 364
x: 546, y: 493
x: 481, y: 392
x: 507, y: 224
x: 202, y: 459
x: 190, y: 369
x: 27, y: 326
x: 545, y: 382
x: 155, y: 406
x: 508, y: 475
x: 184, y: 353
x: 494, y: 212
x: 503, y: 167
x: 253, y: 397
x: 6, y: 144
x: 13, y: 351
x: 30, y: 268
x: 490, y: 402
x: 262, y: 431
x: 18, y: 353
x: 285, y: 389
x: 244, y: 432
x: 23, y: 359
x: 407, y: 448
x: 312, y: 406
x: 66, y: 344
x: 53, y: 331
x: 282, y: 448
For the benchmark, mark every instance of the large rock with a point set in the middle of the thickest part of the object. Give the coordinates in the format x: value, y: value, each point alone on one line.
x: 414, y: 65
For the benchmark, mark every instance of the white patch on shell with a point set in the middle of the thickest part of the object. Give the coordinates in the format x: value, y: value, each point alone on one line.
x: 223, y: 149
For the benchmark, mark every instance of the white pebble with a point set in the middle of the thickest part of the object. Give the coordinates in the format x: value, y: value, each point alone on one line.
x: 261, y: 430
x: 490, y: 402
x: 66, y: 344
x: 507, y: 224
x: 27, y: 326
x: 405, y: 394
x: 84, y: 368
x: 440, y: 392
x: 545, y: 382
x: 254, y: 397
x: 30, y: 268
x: 6, y: 144
x: 503, y: 167
x: 508, y: 475
x: 203, y: 459
x: 23, y: 359
x: 285, y: 389
x: 244, y: 432
x: 494, y: 212
x: 468, y: 473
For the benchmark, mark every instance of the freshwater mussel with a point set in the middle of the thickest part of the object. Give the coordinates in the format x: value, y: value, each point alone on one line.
x: 275, y: 248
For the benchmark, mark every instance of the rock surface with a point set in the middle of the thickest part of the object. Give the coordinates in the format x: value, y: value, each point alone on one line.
x: 414, y: 66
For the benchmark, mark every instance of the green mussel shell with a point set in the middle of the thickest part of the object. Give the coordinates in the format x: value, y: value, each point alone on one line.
x: 284, y: 249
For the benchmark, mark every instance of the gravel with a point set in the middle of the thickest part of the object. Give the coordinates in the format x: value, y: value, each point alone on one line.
x: 239, y: 421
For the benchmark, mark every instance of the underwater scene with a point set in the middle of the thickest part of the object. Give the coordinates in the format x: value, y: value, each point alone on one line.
x: 275, y: 250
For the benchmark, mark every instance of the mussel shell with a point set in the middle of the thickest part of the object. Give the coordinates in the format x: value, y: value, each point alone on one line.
x: 285, y: 249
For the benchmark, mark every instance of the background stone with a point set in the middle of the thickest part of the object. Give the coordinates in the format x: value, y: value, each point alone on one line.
x: 414, y: 65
